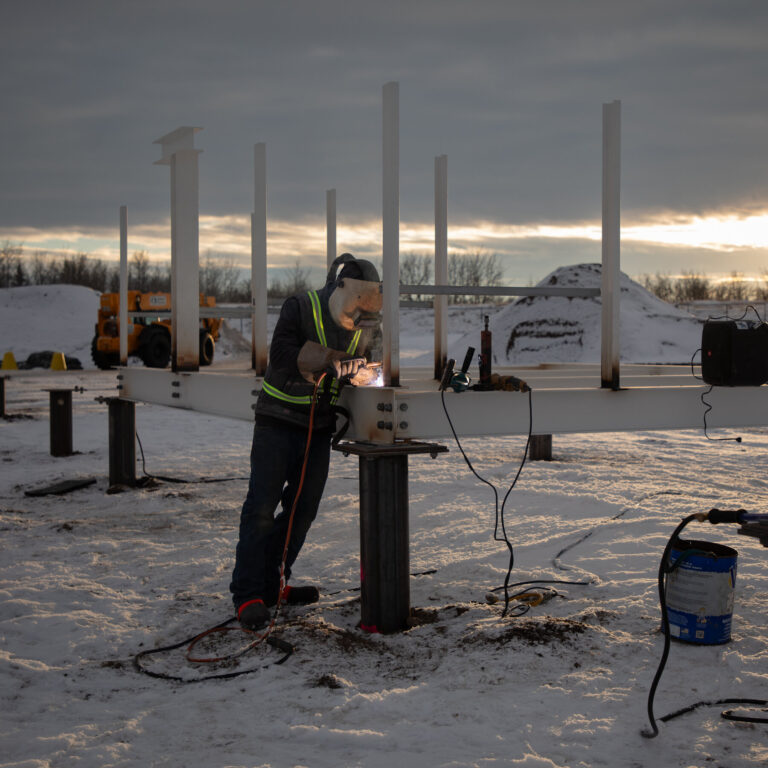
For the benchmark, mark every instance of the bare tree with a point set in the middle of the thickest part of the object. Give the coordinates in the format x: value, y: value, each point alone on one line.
x: 476, y: 269
x: 415, y: 269
x: 660, y: 285
x: 10, y: 264
x: 737, y: 287
x: 220, y: 277
x: 139, y: 271
x: 691, y: 287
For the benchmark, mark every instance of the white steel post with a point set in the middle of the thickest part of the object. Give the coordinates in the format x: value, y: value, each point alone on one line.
x: 391, y: 235
x: 123, y: 318
x: 330, y: 227
x: 185, y: 262
x: 611, y: 270
x: 259, y: 348
x: 178, y: 151
x: 441, y: 263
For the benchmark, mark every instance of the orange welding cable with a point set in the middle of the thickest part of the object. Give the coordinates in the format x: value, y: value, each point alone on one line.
x: 267, y: 632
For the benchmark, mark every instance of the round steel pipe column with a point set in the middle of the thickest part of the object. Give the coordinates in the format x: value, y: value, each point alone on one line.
x: 384, y: 557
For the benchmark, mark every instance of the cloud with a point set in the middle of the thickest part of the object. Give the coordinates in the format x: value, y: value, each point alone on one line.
x: 510, y: 91
x: 667, y: 242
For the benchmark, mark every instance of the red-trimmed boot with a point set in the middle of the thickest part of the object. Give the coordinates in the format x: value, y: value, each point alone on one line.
x: 253, y: 614
x: 300, y: 595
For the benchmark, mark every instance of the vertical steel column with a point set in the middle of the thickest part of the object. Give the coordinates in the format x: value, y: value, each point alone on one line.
x: 2, y: 396
x: 61, y: 421
x: 259, y: 349
x: 185, y: 262
x: 391, y: 235
x: 384, y: 559
x: 123, y: 285
x: 611, y: 271
x: 178, y: 151
x: 440, y: 303
x: 330, y: 227
x: 385, y: 601
x: 122, y: 442
x: 540, y: 448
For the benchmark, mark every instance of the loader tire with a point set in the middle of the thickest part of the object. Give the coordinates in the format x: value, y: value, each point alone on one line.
x: 156, y: 350
x: 103, y: 360
x: 207, y: 347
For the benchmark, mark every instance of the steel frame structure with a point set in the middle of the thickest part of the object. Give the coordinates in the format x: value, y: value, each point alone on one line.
x: 567, y: 398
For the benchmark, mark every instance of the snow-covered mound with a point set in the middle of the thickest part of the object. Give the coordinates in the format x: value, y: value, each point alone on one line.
x: 60, y: 318
x: 553, y: 329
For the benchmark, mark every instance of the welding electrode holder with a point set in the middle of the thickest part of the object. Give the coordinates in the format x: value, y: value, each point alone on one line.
x: 331, y: 373
x: 752, y: 524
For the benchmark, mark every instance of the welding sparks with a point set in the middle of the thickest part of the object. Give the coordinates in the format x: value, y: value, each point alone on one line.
x: 379, y: 380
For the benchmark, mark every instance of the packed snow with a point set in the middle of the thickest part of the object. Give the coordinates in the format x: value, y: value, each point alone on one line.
x: 89, y: 579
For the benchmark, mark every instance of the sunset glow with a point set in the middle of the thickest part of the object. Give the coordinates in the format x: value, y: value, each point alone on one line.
x: 305, y: 240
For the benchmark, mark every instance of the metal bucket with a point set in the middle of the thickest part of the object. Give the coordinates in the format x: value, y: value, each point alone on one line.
x: 700, y: 591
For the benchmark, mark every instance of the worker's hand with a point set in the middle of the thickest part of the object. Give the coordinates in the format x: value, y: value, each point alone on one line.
x: 364, y: 376
x: 347, y: 369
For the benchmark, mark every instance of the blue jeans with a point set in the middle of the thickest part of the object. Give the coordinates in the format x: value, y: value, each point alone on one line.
x: 277, y: 455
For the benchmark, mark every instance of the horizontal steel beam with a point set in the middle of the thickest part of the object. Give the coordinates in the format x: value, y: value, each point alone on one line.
x: 414, y: 411
x: 229, y: 394
x: 479, y: 290
x: 244, y: 310
x: 420, y: 415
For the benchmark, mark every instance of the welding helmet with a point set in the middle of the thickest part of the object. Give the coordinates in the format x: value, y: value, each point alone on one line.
x: 356, y: 299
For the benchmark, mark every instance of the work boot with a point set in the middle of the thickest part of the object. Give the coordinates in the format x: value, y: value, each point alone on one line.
x: 253, y: 614
x: 299, y: 595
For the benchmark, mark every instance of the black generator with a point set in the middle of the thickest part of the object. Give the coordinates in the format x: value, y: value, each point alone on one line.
x: 734, y: 353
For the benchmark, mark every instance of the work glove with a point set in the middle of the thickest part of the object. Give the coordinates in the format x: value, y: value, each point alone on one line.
x: 346, y: 370
x: 365, y: 375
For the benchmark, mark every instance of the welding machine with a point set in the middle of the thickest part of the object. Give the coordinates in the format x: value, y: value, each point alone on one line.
x: 734, y: 353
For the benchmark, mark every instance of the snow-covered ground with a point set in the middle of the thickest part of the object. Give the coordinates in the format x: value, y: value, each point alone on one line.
x: 89, y: 579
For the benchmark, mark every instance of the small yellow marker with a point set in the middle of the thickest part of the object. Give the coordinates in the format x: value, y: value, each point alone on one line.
x: 9, y: 362
x: 58, y: 362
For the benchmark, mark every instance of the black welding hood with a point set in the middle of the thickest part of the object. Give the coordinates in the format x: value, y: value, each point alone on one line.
x: 353, y: 268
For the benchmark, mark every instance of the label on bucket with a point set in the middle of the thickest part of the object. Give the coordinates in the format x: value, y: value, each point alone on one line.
x: 700, y: 595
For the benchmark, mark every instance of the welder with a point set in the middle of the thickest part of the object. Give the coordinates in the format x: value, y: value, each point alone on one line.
x: 333, y: 331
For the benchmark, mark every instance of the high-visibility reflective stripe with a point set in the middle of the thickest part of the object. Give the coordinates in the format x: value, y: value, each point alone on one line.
x: 317, y: 313
x: 274, y: 392
x: 353, y: 344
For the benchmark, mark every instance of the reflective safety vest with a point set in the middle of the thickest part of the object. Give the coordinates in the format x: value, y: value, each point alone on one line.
x: 288, y: 397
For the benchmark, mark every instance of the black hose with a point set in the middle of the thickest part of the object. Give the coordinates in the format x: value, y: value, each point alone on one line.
x: 499, y: 510
x: 664, y: 625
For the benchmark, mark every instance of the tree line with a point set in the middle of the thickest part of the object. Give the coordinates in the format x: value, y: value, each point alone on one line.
x: 219, y: 276
x: 691, y: 286
x: 477, y: 269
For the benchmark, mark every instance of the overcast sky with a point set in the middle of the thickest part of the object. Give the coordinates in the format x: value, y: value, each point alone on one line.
x: 510, y: 91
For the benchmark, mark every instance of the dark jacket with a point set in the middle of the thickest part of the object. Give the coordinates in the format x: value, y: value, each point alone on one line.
x: 286, y: 395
